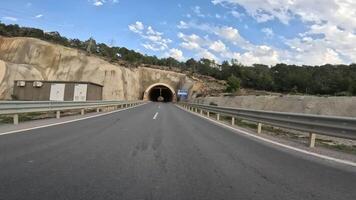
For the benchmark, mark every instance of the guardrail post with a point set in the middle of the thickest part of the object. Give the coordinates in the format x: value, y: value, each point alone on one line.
x: 196, y: 109
x: 16, y: 119
x: 233, y: 121
x: 208, y: 114
x: 82, y: 112
x: 259, y: 128
x: 58, y: 114
x: 97, y: 109
x: 217, y: 116
x: 201, y: 111
x: 312, y: 137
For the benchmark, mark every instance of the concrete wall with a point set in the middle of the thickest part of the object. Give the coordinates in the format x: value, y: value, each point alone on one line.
x: 33, y: 59
x: 337, y: 106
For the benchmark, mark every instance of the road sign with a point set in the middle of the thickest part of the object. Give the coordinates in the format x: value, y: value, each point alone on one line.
x: 182, y: 92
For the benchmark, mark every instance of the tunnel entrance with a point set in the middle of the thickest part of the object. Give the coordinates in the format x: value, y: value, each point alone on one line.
x: 160, y: 92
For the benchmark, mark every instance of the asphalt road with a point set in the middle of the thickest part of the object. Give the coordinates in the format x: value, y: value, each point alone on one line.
x: 138, y: 154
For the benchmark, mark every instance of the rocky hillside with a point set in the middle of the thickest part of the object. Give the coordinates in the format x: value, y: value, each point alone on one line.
x: 33, y: 59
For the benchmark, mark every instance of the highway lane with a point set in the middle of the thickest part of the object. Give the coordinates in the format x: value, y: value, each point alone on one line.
x: 158, y: 151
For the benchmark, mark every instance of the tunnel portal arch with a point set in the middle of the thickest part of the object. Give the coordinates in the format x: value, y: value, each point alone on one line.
x: 154, y: 91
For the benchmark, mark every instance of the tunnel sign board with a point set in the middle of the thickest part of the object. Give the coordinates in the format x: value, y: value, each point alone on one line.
x: 80, y: 92
x: 57, y: 92
x: 183, y: 93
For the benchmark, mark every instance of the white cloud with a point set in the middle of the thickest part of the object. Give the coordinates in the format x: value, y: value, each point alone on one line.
x: 250, y: 53
x: 232, y: 35
x: 260, y: 54
x: 227, y: 33
x: 236, y: 14
x: 39, y: 16
x: 340, y: 12
x: 335, y: 46
x: 150, y: 47
x: 99, y: 3
x: 198, y: 45
x: 218, y: 46
x: 331, y: 24
x: 206, y: 54
x: 182, y: 25
x: 197, y: 11
x: 176, y: 54
x: 268, y: 32
x: 137, y: 27
x: 154, y: 40
x: 8, y: 18
x: 191, y: 42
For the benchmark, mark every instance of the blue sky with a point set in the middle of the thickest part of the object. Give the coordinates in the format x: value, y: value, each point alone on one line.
x: 250, y: 31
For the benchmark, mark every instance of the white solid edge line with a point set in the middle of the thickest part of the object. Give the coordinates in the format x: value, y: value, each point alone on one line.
x: 69, y: 121
x: 346, y: 162
x: 155, y: 116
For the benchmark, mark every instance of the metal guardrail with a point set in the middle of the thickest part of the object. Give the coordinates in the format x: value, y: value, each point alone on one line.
x: 19, y: 107
x: 342, y: 127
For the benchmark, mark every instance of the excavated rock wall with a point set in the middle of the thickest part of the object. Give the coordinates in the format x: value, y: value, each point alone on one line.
x: 33, y: 59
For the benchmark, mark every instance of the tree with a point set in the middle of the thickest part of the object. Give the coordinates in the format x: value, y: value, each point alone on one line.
x: 191, y: 65
x: 90, y: 45
x: 233, y: 84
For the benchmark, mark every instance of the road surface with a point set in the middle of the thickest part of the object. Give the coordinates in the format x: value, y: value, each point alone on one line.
x: 158, y: 151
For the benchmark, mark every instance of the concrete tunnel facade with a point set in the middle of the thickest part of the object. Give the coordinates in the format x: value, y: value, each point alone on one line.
x: 160, y: 92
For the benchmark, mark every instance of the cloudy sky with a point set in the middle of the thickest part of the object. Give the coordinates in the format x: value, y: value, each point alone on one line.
x: 312, y: 32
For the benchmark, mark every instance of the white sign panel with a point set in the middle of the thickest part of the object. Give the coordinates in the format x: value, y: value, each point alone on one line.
x: 182, y: 92
x: 57, y: 92
x: 80, y: 92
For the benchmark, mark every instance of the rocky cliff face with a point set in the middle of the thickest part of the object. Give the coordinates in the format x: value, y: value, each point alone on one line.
x: 33, y: 59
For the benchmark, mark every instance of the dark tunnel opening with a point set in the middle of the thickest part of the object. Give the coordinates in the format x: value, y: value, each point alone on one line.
x: 160, y: 93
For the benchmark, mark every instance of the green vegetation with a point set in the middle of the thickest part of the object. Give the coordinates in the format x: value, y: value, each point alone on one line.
x: 339, y: 80
x: 8, y: 119
x: 233, y: 84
